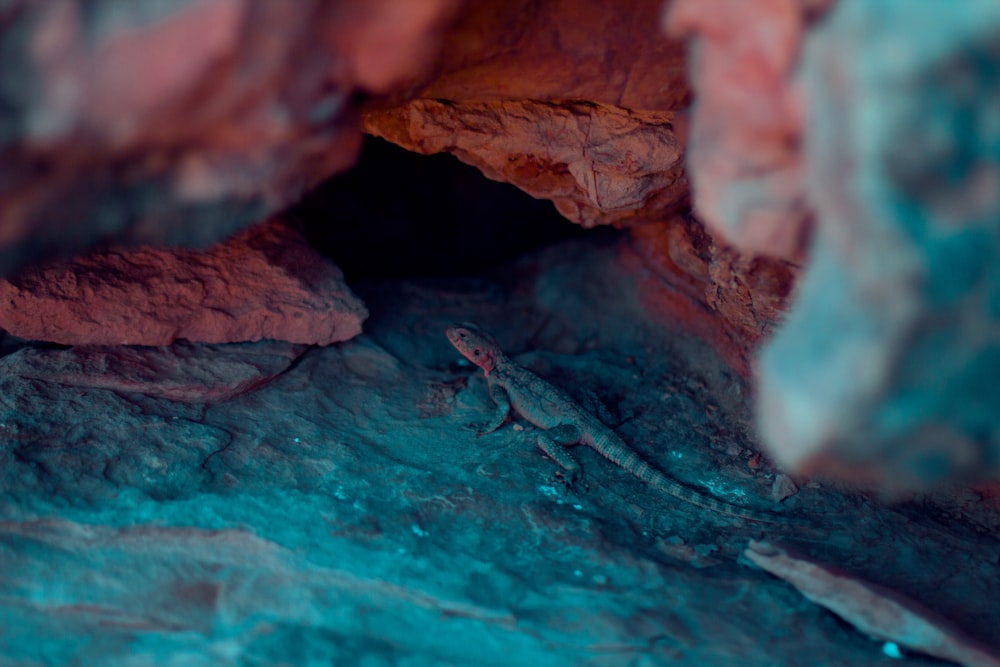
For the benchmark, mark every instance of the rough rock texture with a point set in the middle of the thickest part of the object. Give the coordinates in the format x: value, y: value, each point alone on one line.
x: 265, y: 282
x: 184, y: 121
x: 341, y: 514
x: 725, y: 297
x: 887, y: 364
x: 874, y: 610
x: 598, y: 164
x: 744, y: 155
x: 183, y: 372
x: 525, y: 92
x: 611, y: 54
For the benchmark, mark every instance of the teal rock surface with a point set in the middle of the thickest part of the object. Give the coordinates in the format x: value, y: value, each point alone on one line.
x: 888, y: 358
x: 339, y: 513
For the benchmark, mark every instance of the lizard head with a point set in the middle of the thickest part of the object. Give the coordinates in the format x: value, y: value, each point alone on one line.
x: 475, y: 344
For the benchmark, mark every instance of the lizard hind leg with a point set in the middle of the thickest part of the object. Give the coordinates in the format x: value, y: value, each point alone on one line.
x: 565, y: 434
x: 593, y: 404
x: 553, y: 442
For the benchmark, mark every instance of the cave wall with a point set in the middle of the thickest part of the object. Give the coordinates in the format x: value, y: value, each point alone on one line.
x: 735, y: 141
x: 217, y: 448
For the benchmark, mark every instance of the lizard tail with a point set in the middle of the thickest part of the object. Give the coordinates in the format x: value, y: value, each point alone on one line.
x: 616, y: 451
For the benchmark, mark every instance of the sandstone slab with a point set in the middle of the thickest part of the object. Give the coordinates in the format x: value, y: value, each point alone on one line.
x: 183, y: 372
x: 579, y: 103
x: 875, y: 610
x: 598, y: 164
x: 264, y: 283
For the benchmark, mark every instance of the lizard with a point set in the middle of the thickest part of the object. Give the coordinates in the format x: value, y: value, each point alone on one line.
x: 562, y: 422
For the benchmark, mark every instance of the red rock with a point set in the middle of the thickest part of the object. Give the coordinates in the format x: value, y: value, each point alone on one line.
x: 557, y: 50
x: 528, y: 93
x: 599, y: 164
x: 744, y: 157
x: 721, y: 295
x: 266, y: 282
x: 182, y: 122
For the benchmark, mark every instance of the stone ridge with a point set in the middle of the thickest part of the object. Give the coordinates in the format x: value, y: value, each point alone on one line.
x: 264, y: 283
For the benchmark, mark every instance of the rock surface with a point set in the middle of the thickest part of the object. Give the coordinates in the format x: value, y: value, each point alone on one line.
x: 745, y: 155
x: 526, y: 92
x: 340, y: 514
x: 886, y: 366
x: 264, y: 283
x: 874, y: 610
x: 610, y: 54
x: 181, y: 122
x: 598, y: 164
x: 183, y: 372
x: 725, y: 297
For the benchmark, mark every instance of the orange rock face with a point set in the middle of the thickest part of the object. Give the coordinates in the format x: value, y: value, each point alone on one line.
x: 609, y: 53
x: 576, y: 102
x: 599, y: 164
x: 725, y: 297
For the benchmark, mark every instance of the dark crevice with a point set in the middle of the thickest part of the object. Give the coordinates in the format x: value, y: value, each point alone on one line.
x: 398, y: 214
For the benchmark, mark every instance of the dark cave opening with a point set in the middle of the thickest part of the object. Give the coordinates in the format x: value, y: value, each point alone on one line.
x: 400, y: 214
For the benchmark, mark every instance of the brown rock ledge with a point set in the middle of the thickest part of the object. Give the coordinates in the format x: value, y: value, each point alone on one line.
x: 263, y: 283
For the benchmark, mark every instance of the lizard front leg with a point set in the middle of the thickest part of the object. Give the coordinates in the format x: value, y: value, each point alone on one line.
x: 499, y: 396
x: 553, y: 442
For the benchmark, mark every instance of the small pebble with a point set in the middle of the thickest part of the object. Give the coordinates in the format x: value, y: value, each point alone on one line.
x: 891, y: 649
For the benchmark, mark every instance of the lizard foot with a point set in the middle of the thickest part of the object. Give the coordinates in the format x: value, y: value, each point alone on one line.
x: 479, y: 428
x: 573, y: 479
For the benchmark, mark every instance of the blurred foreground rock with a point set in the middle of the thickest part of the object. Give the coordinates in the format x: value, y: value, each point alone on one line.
x: 886, y: 365
x: 745, y: 156
x: 180, y: 122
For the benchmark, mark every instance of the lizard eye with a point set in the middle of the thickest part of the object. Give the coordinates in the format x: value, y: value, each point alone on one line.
x: 475, y: 352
